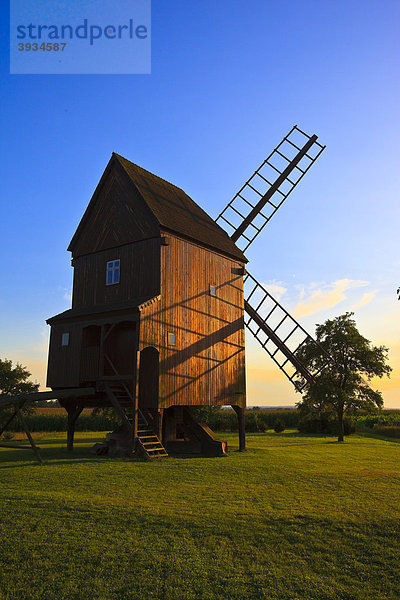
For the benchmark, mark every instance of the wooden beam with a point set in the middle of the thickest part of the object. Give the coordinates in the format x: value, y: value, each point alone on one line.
x: 109, y: 330
x: 240, y: 411
x: 53, y: 395
x: 119, y: 410
x: 17, y: 413
x: 111, y: 363
x: 278, y: 343
x: 30, y: 438
x: 282, y: 177
x: 12, y: 417
x: 101, y: 352
x: 73, y: 414
x: 136, y: 394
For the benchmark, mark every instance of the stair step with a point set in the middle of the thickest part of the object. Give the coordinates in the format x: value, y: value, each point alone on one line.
x: 148, y: 440
x: 151, y: 444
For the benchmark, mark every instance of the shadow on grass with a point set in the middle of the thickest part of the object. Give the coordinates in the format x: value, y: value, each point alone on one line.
x: 52, y: 451
x: 376, y: 436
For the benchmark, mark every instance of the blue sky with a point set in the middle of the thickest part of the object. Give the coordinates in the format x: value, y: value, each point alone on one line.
x: 228, y: 80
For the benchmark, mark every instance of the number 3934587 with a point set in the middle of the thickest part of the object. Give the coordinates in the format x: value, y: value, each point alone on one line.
x: 44, y: 47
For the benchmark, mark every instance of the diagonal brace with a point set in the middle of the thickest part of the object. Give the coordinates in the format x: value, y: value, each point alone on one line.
x: 17, y: 414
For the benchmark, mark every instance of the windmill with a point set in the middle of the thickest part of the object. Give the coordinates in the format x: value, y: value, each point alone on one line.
x: 156, y: 325
x: 246, y: 215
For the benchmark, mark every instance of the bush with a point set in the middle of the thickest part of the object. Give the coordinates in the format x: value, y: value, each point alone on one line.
x: 324, y: 424
x: 387, y: 430
x: 257, y: 421
x: 279, y: 426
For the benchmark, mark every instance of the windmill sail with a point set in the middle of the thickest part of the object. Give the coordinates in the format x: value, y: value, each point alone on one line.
x: 269, y: 186
x: 278, y: 333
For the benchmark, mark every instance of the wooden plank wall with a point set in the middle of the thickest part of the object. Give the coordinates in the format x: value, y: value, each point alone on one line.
x: 139, y: 274
x: 207, y: 365
x: 116, y: 215
x: 64, y: 361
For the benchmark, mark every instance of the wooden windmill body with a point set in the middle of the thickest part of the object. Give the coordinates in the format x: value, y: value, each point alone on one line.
x: 158, y: 309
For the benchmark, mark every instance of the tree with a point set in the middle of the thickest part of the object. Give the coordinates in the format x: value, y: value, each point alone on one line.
x: 13, y: 381
x: 341, y: 388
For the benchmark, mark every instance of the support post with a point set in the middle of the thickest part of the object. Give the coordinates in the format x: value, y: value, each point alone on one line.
x: 136, y: 397
x: 101, y: 351
x: 12, y: 417
x: 30, y: 438
x: 157, y: 415
x: 241, y: 423
x: 74, y: 410
x: 160, y: 416
x: 17, y: 414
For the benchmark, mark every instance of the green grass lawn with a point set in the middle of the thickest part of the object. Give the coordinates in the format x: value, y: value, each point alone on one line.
x: 296, y: 516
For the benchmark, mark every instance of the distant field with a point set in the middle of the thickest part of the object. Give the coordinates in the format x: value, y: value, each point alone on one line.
x: 257, y: 421
x: 57, y: 411
x: 295, y: 517
x: 55, y: 419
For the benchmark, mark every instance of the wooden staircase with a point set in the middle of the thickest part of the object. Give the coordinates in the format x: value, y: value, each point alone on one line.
x: 147, y: 442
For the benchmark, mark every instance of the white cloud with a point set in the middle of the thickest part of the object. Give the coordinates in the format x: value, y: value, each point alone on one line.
x: 367, y: 297
x: 324, y: 297
x: 276, y: 289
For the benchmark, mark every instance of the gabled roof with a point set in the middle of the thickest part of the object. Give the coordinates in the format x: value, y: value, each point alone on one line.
x: 177, y: 212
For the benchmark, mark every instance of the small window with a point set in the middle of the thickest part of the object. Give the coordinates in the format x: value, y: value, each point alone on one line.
x: 171, y: 339
x: 112, y: 272
x: 65, y: 339
x: 213, y: 290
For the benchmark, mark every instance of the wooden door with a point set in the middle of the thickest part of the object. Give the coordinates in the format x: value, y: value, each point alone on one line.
x: 120, y: 350
x: 148, y: 377
x: 90, y: 353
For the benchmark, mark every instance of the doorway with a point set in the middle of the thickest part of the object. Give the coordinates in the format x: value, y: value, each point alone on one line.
x: 149, y: 370
x: 120, y: 345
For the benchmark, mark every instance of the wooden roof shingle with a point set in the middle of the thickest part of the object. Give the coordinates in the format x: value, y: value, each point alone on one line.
x: 177, y: 212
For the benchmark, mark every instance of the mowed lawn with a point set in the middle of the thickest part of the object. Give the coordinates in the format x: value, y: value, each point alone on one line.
x: 296, y: 516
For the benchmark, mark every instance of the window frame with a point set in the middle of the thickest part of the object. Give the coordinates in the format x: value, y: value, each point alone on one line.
x: 114, y: 270
x: 170, y: 335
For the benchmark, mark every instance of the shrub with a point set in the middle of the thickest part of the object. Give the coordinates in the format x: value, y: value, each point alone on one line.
x: 387, y: 430
x: 254, y: 423
x: 324, y: 424
x: 279, y: 426
x: 256, y: 420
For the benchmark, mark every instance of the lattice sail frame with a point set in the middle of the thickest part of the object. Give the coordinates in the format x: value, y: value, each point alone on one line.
x: 266, y: 190
x: 278, y: 333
